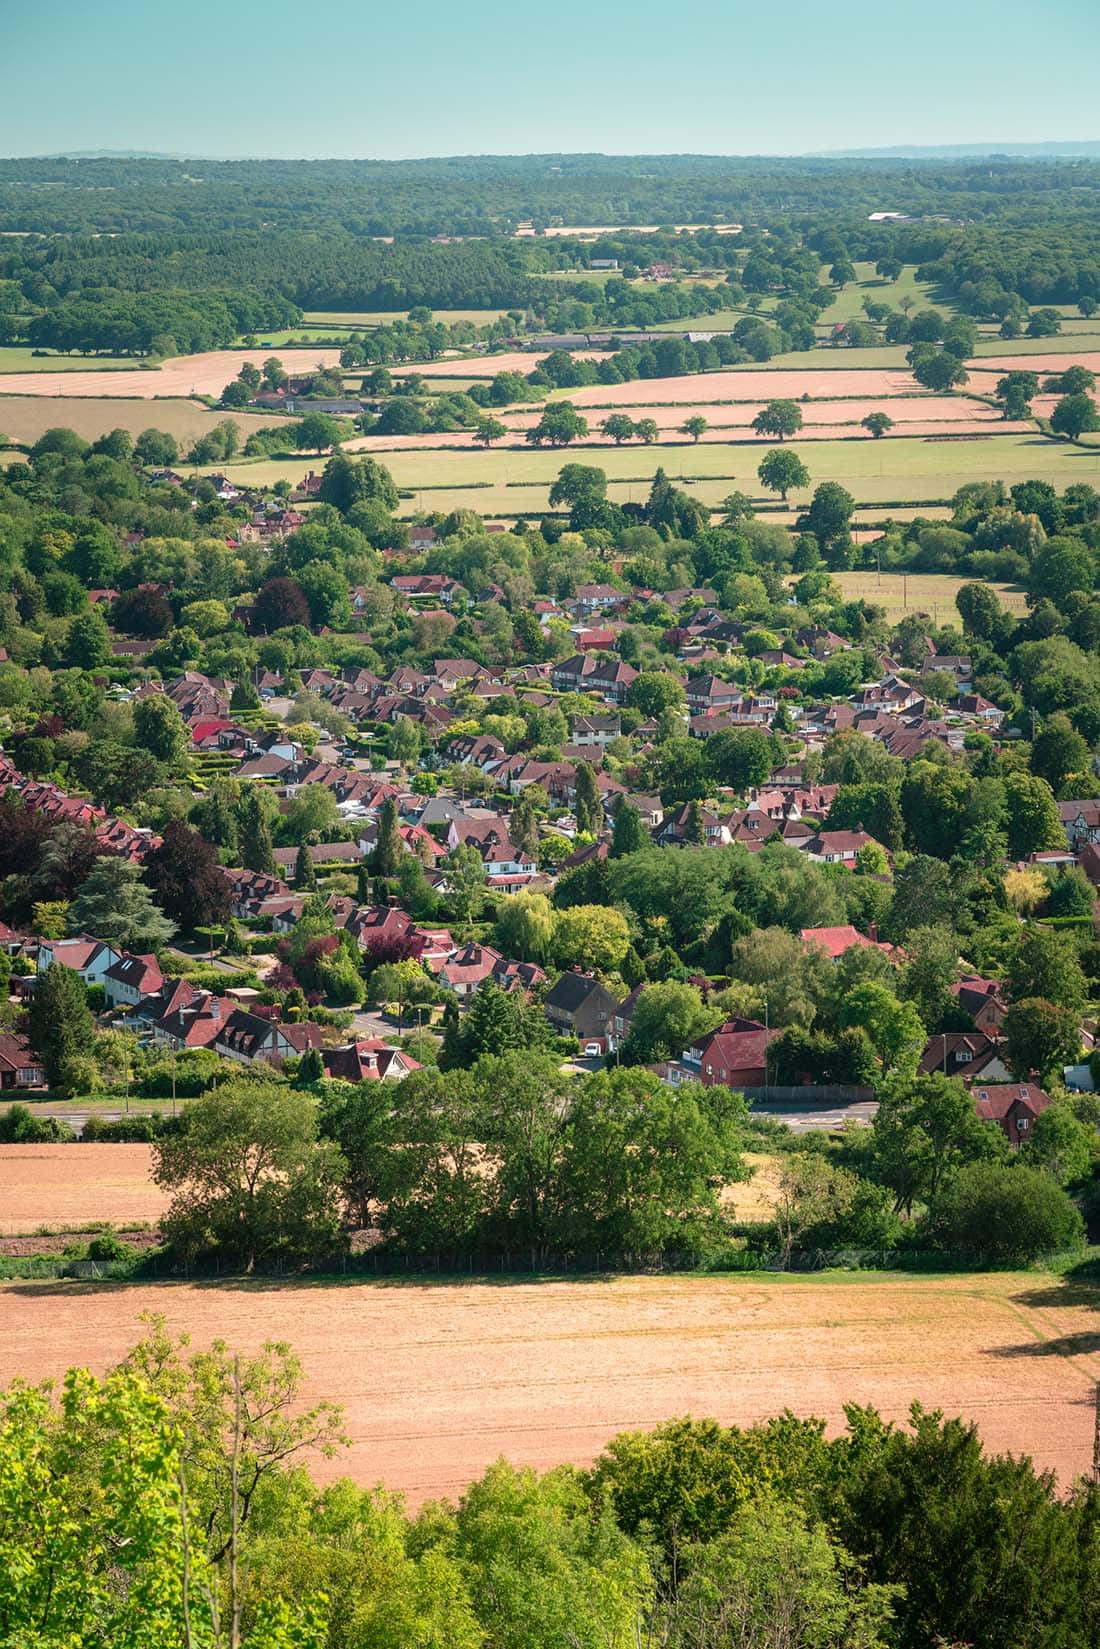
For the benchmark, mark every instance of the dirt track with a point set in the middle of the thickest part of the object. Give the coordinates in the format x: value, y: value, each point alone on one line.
x: 439, y: 1381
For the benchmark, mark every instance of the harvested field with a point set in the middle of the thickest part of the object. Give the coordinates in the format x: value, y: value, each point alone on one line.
x: 486, y: 366
x: 184, y: 375
x: 71, y: 1184
x: 26, y: 417
x: 755, y: 1199
x: 934, y: 593
x: 747, y: 384
x: 903, y: 409
x: 438, y: 1380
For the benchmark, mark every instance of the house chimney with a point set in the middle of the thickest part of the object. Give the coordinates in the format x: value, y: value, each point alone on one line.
x: 873, y: 931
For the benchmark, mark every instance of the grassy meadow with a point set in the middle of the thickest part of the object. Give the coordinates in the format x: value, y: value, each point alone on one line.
x: 907, y: 471
x: 20, y: 358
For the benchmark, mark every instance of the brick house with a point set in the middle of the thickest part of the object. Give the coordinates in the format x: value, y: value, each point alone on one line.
x: 1013, y: 1106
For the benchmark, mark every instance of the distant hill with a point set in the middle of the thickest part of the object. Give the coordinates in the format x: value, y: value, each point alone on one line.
x: 116, y: 154
x: 1088, y: 148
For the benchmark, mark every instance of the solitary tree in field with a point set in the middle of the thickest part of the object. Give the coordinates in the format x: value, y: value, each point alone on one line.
x: 559, y: 425
x: 1016, y: 404
x: 618, y: 427
x: 877, y: 423
x: 888, y: 268
x: 646, y: 430
x: 779, y: 471
x: 316, y: 432
x: 487, y: 430
x: 940, y: 371
x: 1014, y: 391
x: 1075, y: 415
x: 778, y: 418
x: 693, y: 426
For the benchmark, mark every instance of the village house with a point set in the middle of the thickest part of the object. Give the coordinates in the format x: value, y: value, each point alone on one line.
x: 1013, y: 1106
x: 249, y: 1039
x: 467, y: 968
x: 594, y: 732
x: 367, y: 1059
x: 971, y: 1055
x: 20, y: 1067
x: 1080, y: 821
x: 579, y: 1005
x: 131, y: 980
x: 983, y: 1000
x: 90, y: 958
x: 733, y: 1056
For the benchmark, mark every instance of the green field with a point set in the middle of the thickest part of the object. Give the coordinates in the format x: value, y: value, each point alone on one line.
x: 1064, y: 343
x: 364, y: 318
x: 15, y: 358
x: 847, y: 305
x: 902, y: 470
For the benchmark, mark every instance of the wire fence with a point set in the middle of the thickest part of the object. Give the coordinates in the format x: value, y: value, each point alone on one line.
x: 485, y: 1266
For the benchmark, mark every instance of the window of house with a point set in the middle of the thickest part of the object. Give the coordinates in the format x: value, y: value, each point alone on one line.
x: 1022, y: 1124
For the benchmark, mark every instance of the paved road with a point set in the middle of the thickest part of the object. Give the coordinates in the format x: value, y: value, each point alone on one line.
x: 803, y: 1120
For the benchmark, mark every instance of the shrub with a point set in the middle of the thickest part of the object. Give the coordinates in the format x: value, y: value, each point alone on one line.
x: 1005, y: 1215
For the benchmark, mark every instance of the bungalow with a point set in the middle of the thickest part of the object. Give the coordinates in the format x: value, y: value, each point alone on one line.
x: 973, y: 704
x: 958, y: 666
x: 468, y: 968
x: 518, y: 976
x: 836, y: 847
x: 591, y: 598
x: 579, y: 1005
x: 837, y: 942
x: 1013, y: 1106
x: 367, y: 1060
x: 191, y: 1019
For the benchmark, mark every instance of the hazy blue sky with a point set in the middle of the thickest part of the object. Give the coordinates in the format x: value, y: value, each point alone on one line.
x: 363, y: 78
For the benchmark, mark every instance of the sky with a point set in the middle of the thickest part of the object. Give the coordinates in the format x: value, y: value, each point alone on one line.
x: 361, y: 78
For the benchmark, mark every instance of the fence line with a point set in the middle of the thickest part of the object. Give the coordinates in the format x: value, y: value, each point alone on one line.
x: 488, y: 1265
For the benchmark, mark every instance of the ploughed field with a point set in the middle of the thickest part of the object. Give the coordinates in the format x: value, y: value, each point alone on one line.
x: 438, y: 1380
